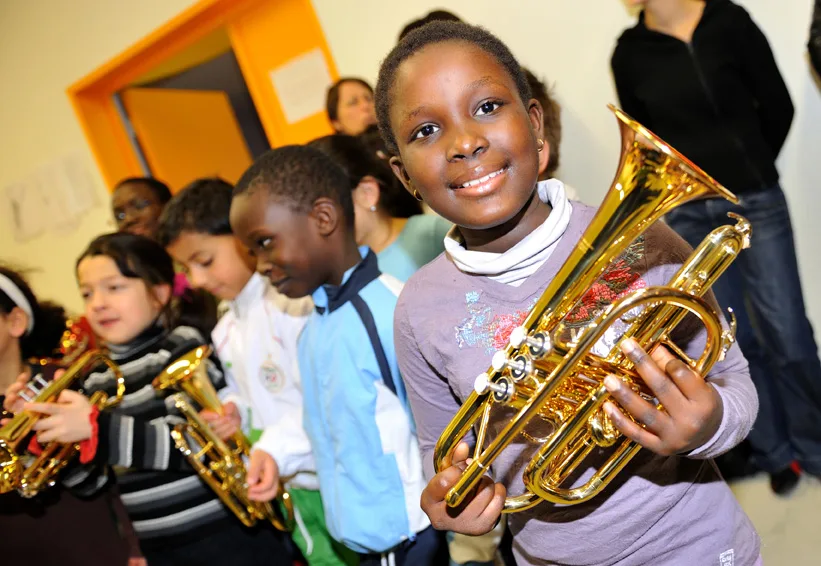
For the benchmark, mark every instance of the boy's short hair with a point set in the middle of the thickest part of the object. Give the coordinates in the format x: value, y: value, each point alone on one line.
x: 430, y: 34
x: 297, y: 176
x: 552, y: 118
x: 203, y: 207
x: 358, y: 161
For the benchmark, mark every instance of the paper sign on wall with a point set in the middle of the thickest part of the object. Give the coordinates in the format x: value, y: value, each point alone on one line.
x: 301, y: 84
x: 24, y: 209
x: 55, y: 196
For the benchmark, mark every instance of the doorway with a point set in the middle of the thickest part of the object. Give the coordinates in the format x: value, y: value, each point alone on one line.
x: 208, y: 92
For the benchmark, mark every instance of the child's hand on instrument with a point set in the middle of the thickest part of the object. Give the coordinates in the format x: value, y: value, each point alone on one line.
x: 67, y: 420
x: 262, y: 477
x: 225, y: 425
x: 13, y: 403
x: 478, y: 515
x: 692, y: 408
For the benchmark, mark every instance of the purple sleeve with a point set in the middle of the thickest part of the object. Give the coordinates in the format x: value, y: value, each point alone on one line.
x: 432, y: 401
x: 731, y: 379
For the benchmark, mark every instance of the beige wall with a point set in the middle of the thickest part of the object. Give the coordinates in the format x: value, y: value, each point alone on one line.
x: 48, y: 44
x: 569, y: 42
x: 44, y: 47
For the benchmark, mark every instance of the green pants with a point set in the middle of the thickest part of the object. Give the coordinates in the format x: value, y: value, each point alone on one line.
x: 322, y: 549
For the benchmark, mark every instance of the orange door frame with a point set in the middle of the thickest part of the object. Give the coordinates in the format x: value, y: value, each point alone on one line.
x: 92, y: 97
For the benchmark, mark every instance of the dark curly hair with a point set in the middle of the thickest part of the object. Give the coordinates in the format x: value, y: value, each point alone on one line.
x: 429, y: 34
x: 359, y: 161
x: 552, y: 119
x: 160, y: 189
x: 49, y: 319
x: 203, y: 207
x: 432, y: 16
x: 298, y: 176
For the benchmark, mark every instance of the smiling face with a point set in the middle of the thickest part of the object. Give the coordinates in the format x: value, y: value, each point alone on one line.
x: 467, y: 142
x: 118, y: 308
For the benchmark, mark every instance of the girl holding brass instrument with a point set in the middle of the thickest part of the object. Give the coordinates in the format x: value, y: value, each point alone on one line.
x: 31, y: 330
x: 126, y: 281
x: 456, y: 110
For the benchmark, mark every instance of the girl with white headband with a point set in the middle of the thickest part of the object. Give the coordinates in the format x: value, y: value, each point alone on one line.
x: 20, y: 338
x: 30, y: 330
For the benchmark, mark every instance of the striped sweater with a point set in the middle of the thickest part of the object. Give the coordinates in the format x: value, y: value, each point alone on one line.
x: 163, y: 495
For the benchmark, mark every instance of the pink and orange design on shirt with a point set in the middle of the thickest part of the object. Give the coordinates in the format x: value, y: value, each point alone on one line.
x: 490, y: 330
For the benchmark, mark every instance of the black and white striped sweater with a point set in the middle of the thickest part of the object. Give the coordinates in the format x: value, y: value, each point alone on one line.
x: 161, y: 492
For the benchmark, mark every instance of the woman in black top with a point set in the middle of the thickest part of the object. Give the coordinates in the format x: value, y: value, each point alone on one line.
x: 814, y: 44
x: 701, y: 75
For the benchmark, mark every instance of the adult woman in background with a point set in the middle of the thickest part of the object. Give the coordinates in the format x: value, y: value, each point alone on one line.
x: 349, y: 104
x: 703, y: 77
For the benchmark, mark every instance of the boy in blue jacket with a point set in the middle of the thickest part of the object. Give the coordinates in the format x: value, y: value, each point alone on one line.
x: 293, y: 209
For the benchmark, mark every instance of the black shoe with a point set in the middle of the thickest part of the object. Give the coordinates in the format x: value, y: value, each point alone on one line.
x: 737, y: 463
x: 784, y: 482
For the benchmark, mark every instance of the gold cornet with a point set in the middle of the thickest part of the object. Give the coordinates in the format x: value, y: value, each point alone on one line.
x: 224, y: 471
x: 41, y: 473
x: 544, y: 377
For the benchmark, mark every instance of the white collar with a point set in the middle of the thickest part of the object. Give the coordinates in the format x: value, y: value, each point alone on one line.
x: 519, y: 262
x: 249, y: 296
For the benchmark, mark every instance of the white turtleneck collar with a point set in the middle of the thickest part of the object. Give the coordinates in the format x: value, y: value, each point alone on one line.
x: 515, y: 265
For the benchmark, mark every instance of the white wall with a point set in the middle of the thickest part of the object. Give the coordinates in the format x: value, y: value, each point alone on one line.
x: 44, y: 47
x: 47, y: 45
x: 569, y: 43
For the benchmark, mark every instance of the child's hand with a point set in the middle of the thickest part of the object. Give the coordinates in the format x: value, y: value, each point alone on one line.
x: 13, y: 403
x: 692, y: 408
x: 68, y: 419
x: 262, y: 477
x: 226, y: 425
x: 478, y: 515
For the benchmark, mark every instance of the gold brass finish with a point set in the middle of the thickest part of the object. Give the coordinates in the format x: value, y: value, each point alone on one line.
x: 544, y: 377
x: 224, y: 467
x: 30, y: 479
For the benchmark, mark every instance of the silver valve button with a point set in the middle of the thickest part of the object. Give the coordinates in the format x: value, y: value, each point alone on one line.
x: 538, y: 343
x: 518, y: 366
x: 483, y: 385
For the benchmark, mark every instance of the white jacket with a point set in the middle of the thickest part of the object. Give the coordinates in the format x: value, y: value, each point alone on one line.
x: 256, y: 343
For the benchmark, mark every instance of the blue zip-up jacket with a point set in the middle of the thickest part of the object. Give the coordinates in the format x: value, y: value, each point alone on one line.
x: 356, y: 413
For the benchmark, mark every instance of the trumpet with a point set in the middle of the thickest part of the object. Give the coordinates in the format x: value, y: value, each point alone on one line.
x: 41, y: 473
x: 543, y: 376
x: 224, y: 471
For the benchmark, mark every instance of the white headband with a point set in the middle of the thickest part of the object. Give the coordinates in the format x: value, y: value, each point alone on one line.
x: 18, y: 298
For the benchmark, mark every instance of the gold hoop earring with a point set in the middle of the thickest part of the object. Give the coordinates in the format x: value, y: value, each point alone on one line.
x: 416, y: 195
x: 539, y: 145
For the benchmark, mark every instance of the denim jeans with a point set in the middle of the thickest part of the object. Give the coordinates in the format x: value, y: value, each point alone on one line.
x: 763, y: 287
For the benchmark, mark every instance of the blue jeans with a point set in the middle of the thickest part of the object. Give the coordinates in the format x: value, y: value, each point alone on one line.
x: 763, y: 287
